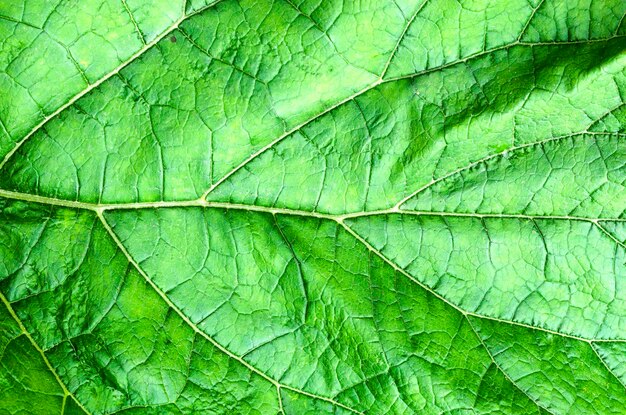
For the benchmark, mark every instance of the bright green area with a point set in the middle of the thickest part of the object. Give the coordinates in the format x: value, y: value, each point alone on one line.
x: 557, y: 274
x: 313, y: 207
x: 54, y: 50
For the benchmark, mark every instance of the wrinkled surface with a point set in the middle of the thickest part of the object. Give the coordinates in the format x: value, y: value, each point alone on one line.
x: 313, y: 207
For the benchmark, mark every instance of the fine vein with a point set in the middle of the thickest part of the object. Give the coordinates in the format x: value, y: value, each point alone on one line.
x: 451, y: 304
x: 607, y: 366
x: 506, y: 375
x: 26, y: 333
x: 96, y: 84
x: 197, y: 330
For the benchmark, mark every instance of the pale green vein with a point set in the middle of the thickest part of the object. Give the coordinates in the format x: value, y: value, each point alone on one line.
x: 506, y: 375
x: 607, y: 366
x: 401, y: 38
x: 501, y: 154
x: 529, y: 21
x: 456, y: 307
x: 280, y: 400
x: 197, y: 330
x: 132, y: 19
x: 609, y: 234
x: 97, y: 83
x: 619, y: 25
x: 101, y: 207
x: 26, y: 333
x: 502, y: 47
x: 285, y: 135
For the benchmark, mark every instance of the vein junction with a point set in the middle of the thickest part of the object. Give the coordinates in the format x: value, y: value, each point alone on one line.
x: 101, y: 207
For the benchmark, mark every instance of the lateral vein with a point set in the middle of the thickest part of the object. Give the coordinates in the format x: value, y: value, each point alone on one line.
x: 99, y: 82
x: 26, y: 333
x: 506, y: 375
x: 456, y: 307
x: 197, y: 330
x: 607, y: 366
x: 497, y: 155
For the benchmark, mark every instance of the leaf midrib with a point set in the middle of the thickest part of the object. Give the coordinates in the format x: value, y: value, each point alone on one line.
x: 100, y: 208
x: 397, y: 208
x: 26, y: 197
x: 340, y: 219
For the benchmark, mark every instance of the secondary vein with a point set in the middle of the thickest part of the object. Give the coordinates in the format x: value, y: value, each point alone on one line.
x: 197, y: 330
x: 96, y: 84
x: 26, y: 333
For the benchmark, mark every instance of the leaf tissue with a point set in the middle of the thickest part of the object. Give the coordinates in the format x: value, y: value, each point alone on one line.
x: 294, y: 207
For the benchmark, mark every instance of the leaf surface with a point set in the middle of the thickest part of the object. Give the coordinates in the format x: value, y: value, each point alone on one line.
x: 298, y: 207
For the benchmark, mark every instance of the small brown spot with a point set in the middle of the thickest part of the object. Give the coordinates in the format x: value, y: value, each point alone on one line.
x: 173, y: 39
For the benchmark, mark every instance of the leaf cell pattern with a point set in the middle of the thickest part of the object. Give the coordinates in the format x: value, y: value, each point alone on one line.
x: 304, y: 207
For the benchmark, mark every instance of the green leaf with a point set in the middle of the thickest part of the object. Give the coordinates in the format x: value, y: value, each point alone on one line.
x: 301, y: 207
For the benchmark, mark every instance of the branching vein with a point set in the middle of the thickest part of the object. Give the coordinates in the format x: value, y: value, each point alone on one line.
x: 197, y: 330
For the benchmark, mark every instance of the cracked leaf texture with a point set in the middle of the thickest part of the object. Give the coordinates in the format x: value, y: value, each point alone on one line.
x: 296, y: 207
